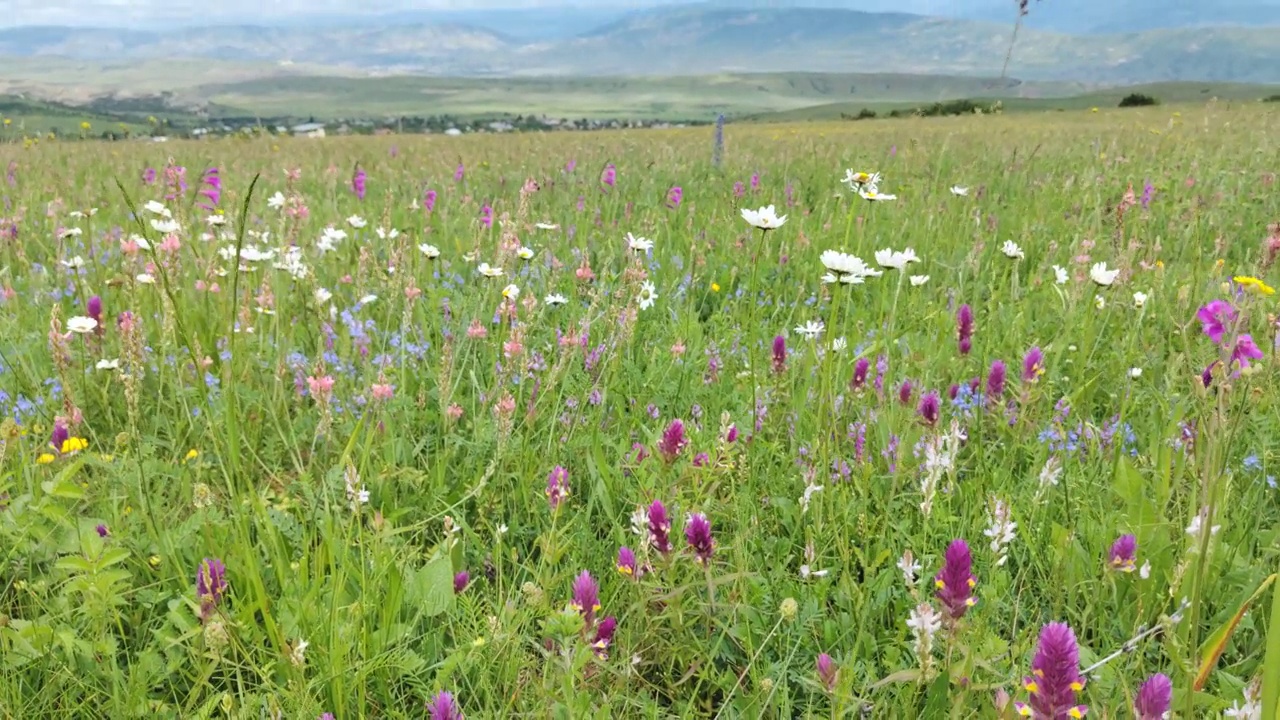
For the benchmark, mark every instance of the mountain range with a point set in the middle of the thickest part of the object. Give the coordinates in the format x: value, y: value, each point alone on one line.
x: 1111, y: 43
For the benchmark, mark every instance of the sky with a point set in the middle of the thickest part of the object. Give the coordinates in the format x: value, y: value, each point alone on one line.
x: 151, y: 13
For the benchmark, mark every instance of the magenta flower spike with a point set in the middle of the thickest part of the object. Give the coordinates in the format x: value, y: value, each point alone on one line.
x: 557, y: 486
x: 1123, y: 554
x: 359, y: 182
x: 673, y: 440
x: 995, y: 380
x: 930, y: 408
x: 861, y: 369
x: 659, y: 527
x: 827, y: 673
x: 1033, y: 365
x: 461, y: 581
x: 211, y: 585
x: 697, y: 531
x: 964, y: 328
x: 586, y: 597
x: 626, y: 561
x: 1055, y: 677
x: 444, y: 707
x: 1153, y: 698
x: 779, y: 354
x: 955, y: 581
x: 1244, y: 351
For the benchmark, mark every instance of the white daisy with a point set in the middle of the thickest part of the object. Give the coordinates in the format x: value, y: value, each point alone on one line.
x: 158, y: 208
x: 1101, y: 275
x: 546, y: 226
x: 918, y: 280
x: 959, y: 191
x: 639, y: 244
x: 897, y: 260
x: 275, y: 202
x: 166, y: 226
x: 524, y: 253
x: 766, y: 218
x: 357, y: 222
x: 81, y: 324
x: 488, y: 270
x: 384, y: 234
x: 431, y: 251
x: 511, y: 292
x: 811, y: 329
x: 105, y: 364
x: 146, y: 278
x: 1060, y: 274
x: 70, y: 232
x: 74, y: 262
x: 856, y: 180
x: 1012, y: 251
x: 1139, y: 299
x: 648, y: 293
x: 555, y: 299
x: 323, y: 296
x: 873, y: 194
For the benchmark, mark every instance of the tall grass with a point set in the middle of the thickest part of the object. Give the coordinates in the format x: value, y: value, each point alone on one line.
x: 367, y: 437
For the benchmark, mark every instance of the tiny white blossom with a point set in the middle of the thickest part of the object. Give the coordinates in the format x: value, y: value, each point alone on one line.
x: 811, y: 329
x: 918, y: 280
x: 158, y: 208
x: 1012, y: 251
x: 524, y: 253
x: 275, y: 202
x: 1060, y: 275
x: 555, y: 299
x: 105, y: 364
x: 511, y: 292
x: 648, y: 293
x: 431, y: 251
x: 766, y: 218
x: 357, y: 222
x: 639, y: 244
x: 958, y: 190
x: 488, y: 270
x: 1101, y: 275
x: 81, y: 324
x: 897, y: 260
x: 146, y: 278
x: 1099, y: 302
x: 1135, y: 372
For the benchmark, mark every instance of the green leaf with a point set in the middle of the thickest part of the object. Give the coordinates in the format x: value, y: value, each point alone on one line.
x: 432, y: 586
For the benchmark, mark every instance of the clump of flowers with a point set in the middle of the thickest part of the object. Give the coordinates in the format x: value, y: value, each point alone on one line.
x: 1154, y: 698
x: 673, y: 440
x: 1123, y: 554
x: 697, y: 531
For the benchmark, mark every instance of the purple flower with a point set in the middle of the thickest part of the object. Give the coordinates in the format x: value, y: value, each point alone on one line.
x: 964, y: 328
x: 904, y: 392
x: 1206, y: 377
x: 626, y: 561
x: 210, y: 190
x: 930, y: 406
x: 609, y: 176
x: 429, y: 200
x: 674, y: 196
x: 1055, y: 676
x: 1148, y: 192
x: 444, y: 707
x: 995, y: 380
x: 827, y: 672
x: 211, y: 585
x: 779, y: 354
x: 102, y: 530
x: 955, y: 581
x: 327, y: 716
x: 701, y: 459
x: 557, y: 486
x: 731, y: 435
x: 755, y: 181
x: 358, y: 182
x: 486, y: 216
x: 1215, y: 317
x: 149, y: 176
x: 697, y: 531
x: 461, y: 581
x: 459, y: 173
x: 860, y: 371
x: 586, y: 597
x: 59, y: 436
x: 569, y: 166
x: 738, y: 190
x: 1123, y: 554
x: 673, y: 440
x: 1033, y: 365
x: 1153, y: 698
x: 95, y: 309
x: 659, y: 527
x: 604, y: 636
x: 1245, y: 350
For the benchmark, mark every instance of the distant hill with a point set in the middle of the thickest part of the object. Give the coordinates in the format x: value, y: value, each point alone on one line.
x: 707, y: 39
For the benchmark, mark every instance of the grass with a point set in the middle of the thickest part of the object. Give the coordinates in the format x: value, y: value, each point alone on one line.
x: 366, y: 438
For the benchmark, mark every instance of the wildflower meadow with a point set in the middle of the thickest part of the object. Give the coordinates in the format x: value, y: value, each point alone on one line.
x: 924, y: 418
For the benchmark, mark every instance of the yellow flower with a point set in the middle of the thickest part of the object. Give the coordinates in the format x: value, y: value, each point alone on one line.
x: 74, y: 445
x: 154, y: 561
x: 45, y: 458
x: 715, y: 287
x: 85, y: 125
x: 192, y: 454
x: 1093, y: 109
x: 1253, y: 283
x: 8, y: 122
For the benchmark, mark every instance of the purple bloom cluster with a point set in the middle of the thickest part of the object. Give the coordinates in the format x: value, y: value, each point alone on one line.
x: 955, y: 581
x: 1055, y: 677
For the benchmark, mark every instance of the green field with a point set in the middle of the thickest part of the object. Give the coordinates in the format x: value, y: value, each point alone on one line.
x: 582, y: 438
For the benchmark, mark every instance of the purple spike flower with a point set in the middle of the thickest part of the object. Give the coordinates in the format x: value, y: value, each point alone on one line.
x: 697, y: 531
x: 955, y: 581
x: 904, y: 392
x: 755, y: 181
x: 1148, y: 192
x: 586, y: 598
x: 460, y: 172
x: 995, y: 380
x: 429, y: 200
x: 1124, y: 553
x: 779, y: 354
x: 659, y: 527
x: 827, y: 672
x: 59, y: 436
x: 444, y: 707
x: 604, y: 637
x: 1055, y: 676
x: 626, y: 561
x: 673, y: 440
x: 461, y: 581
x: 486, y: 216
x: 731, y: 435
x: 738, y: 189
x: 964, y: 328
x: 149, y: 176
x: 1215, y: 317
x: 1206, y: 377
x: 359, y: 182
x: 1245, y: 350
x: 102, y: 530
x: 211, y: 585
x: 609, y: 176
x: 930, y: 407
x: 210, y: 190
x: 1154, y: 698
x: 1033, y: 365
x: 557, y: 486
x: 674, y: 196
x: 94, y: 307
x: 860, y: 372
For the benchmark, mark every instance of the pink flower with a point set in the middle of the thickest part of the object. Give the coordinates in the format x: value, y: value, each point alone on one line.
x: 1215, y: 317
x: 382, y: 391
x: 321, y: 386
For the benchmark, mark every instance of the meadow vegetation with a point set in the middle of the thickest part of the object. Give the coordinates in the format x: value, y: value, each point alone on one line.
x: 547, y: 422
